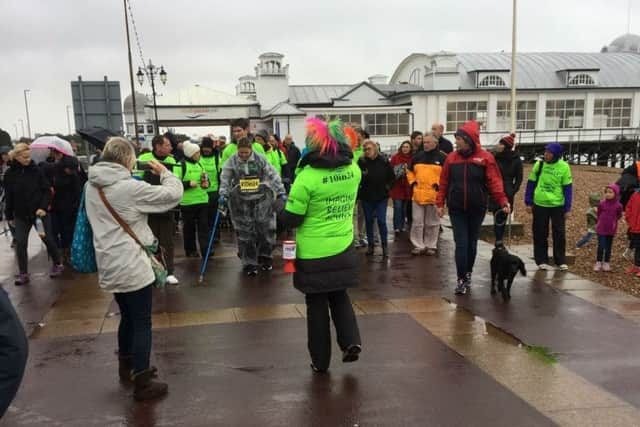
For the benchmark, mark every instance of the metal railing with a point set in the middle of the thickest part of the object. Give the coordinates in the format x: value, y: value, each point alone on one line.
x: 576, y: 135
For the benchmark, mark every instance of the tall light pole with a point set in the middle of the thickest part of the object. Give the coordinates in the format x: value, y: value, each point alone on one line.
x: 16, y: 128
x: 26, y: 107
x: 68, y: 120
x: 513, y: 69
x: 21, y: 125
x: 133, y: 89
x: 152, y: 71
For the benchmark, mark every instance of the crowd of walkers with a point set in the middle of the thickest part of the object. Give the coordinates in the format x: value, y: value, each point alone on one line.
x: 334, y: 194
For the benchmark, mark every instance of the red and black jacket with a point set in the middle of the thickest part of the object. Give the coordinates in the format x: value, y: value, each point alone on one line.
x: 469, y: 177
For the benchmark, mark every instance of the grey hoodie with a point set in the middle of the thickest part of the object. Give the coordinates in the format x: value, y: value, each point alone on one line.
x: 123, y: 266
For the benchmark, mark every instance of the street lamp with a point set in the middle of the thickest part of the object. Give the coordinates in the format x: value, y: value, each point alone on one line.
x: 16, y: 128
x: 22, y: 126
x: 26, y: 107
x: 152, y: 71
x: 68, y: 120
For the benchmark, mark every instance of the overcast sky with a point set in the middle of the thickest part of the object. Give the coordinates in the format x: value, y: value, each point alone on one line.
x: 44, y: 44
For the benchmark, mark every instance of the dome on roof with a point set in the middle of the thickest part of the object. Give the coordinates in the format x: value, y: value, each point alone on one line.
x: 141, y: 100
x: 625, y: 43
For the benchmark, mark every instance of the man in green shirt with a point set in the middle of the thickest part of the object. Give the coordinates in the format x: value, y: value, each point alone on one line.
x: 239, y: 130
x: 163, y: 225
x: 548, y: 197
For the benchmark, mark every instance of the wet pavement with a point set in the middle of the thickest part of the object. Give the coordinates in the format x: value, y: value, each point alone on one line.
x: 233, y: 350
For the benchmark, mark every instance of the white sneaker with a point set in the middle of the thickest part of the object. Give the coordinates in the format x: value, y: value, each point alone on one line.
x: 563, y: 267
x: 544, y: 267
x: 172, y: 280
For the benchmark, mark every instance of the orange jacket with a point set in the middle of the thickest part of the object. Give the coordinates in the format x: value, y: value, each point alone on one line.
x: 423, y: 174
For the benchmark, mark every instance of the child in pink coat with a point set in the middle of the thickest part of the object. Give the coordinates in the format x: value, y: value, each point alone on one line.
x: 609, y: 213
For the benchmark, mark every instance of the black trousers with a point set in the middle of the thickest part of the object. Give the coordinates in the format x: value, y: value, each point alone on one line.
x: 14, y: 349
x: 319, y: 328
x: 163, y: 226
x: 541, y: 218
x: 194, y: 220
x: 134, y: 331
x: 63, y: 223
x: 23, y: 227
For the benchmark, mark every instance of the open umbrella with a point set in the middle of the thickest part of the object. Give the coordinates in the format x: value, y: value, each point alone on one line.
x: 41, y: 146
x: 96, y: 136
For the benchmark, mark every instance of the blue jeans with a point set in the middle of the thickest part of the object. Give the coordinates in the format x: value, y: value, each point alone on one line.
x: 584, y: 239
x: 400, y: 208
x: 604, y: 248
x: 466, y: 231
x: 134, y: 332
x: 379, y: 211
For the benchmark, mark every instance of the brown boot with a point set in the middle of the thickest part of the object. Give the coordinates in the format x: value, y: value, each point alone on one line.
x: 145, y: 388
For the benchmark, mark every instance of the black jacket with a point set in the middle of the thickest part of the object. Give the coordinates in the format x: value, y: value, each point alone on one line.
x: 377, y: 179
x: 510, y: 166
x: 27, y: 190
x: 66, y: 187
x: 293, y: 157
x: 445, y: 145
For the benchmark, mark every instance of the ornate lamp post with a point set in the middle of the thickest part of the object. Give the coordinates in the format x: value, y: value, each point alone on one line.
x: 152, y: 72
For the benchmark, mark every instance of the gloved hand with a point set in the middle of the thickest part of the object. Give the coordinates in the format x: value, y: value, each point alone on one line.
x: 222, y: 205
x: 280, y: 203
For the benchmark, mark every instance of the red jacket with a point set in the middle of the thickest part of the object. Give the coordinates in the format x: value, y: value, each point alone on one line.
x: 632, y: 213
x: 469, y: 178
x: 401, y: 189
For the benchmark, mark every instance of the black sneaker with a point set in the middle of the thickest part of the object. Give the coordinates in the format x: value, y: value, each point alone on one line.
x: 251, y: 270
x: 461, y: 287
x: 352, y: 353
x: 318, y: 370
x: 266, y: 267
x: 467, y: 281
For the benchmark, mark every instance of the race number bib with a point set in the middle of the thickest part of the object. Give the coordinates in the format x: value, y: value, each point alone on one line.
x: 249, y: 184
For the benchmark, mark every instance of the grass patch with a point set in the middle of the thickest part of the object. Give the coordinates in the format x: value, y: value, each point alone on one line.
x: 543, y: 353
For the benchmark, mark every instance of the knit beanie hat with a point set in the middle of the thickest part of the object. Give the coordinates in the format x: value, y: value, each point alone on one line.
x: 555, y: 149
x: 508, y: 141
x: 206, y: 142
x: 189, y: 149
x: 262, y: 133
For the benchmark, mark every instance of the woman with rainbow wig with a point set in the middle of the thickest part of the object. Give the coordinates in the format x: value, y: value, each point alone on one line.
x: 320, y: 206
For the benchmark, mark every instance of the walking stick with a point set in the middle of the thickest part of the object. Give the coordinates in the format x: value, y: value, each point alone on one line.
x: 206, y: 258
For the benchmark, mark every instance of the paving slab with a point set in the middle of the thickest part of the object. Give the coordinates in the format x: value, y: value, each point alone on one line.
x: 257, y: 374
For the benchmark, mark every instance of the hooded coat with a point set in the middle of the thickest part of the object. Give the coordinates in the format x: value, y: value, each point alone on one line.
x: 470, y: 177
x: 609, y: 213
x: 123, y: 266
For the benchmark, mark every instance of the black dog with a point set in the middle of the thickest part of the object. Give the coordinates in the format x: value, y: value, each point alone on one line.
x: 504, y: 266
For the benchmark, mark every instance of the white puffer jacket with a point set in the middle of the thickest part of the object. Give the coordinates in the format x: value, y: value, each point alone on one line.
x: 123, y: 266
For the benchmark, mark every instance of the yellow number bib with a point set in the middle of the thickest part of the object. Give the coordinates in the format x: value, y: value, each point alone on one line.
x: 249, y: 184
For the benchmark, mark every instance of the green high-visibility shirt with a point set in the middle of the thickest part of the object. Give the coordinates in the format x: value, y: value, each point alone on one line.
x: 145, y: 157
x: 232, y: 149
x: 326, y: 198
x: 277, y: 159
x: 549, y: 192
x: 193, y: 172
x: 212, y: 167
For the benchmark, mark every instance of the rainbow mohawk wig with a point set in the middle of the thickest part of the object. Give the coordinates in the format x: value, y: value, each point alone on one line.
x: 325, y: 137
x: 352, y: 136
